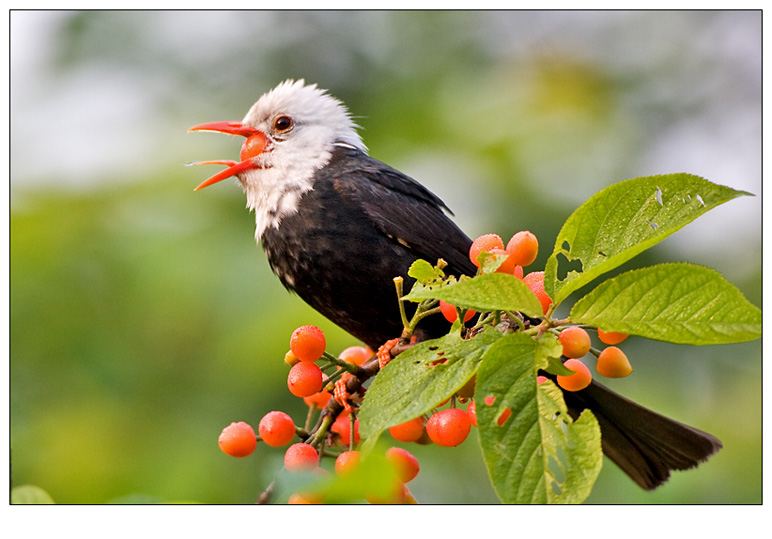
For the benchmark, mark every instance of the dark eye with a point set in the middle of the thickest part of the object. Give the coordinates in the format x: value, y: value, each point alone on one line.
x: 282, y: 124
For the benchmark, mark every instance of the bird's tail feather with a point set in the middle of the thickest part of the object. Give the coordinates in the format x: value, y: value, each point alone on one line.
x: 647, y: 446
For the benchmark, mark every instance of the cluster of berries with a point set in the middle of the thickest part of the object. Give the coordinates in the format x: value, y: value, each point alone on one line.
x: 520, y: 251
x: 447, y: 428
x: 612, y: 361
x: 276, y: 428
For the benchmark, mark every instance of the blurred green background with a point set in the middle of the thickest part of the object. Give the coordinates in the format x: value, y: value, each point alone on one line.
x: 143, y: 317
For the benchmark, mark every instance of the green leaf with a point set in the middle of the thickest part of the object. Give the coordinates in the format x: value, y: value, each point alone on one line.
x: 423, y: 272
x: 489, y: 263
x: 679, y: 303
x: 548, y: 352
x: 30, y: 494
x: 419, y: 379
x: 623, y: 220
x: 487, y: 292
x: 538, y: 454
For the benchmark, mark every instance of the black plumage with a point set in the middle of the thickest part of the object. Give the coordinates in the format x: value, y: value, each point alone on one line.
x: 363, y: 224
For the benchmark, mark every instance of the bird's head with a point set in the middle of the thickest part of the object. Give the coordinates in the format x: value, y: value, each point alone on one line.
x: 290, y: 131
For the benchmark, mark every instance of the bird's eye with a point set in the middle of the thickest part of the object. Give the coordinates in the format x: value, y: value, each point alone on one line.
x: 282, y: 124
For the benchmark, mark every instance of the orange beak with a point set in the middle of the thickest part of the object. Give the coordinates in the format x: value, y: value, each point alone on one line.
x: 255, y: 145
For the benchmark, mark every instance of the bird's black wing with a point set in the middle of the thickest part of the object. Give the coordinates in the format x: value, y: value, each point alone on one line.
x: 404, y: 210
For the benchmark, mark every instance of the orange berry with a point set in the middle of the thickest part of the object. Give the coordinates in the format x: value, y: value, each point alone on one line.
x: 409, y: 431
x: 355, y: 354
x: 406, y: 464
x: 305, y: 379
x: 238, y: 439
x: 451, y: 314
x: 307, y: 343
x: 449, y: 427
x: 471, y: 411
x: 276, y: 429
x: 301, y: 456
x: 535, y: 281
x: 484, y: 243
x: 611, y: 337
x: 253, y: 146
x: 347, y: 462
x: 342, y: 426
x: 577, y: 381
x: 613, y: 363
x: 319, y: 399
x: 523, y: 248
x: 576, y: 342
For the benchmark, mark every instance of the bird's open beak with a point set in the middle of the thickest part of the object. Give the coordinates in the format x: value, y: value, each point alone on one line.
x: 255, y: 145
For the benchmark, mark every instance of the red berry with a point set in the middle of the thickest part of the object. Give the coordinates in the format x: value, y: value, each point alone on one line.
x: 301, y: 456
x: 523, y: 247
x: 253, y: 146
x: 276, y: 429
x: 347, y: 462
x: 451, y: 314
x: 319, y: 399
x: 576, y: 342
x: 541, y: 379
x: 484, y: 244
x: 342, y: 426
x: 508, y: 266
x: 577, y: 381
x: 611, y: 337
x: 410, y: 431
x: 535, y: 281
x: 307, y: 343
x: 449, y: 427
x: 305, y: 379
x: 406, y: 464
x: 471, y: 411
x: 519, y: 272
x: 355, y: 354
x: 238, y: 439
x: 613, y: 363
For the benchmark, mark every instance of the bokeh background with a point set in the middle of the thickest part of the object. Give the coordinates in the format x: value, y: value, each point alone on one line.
x: 143, y: 317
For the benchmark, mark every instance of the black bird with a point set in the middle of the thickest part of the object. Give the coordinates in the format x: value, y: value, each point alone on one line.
x: 338, y: 226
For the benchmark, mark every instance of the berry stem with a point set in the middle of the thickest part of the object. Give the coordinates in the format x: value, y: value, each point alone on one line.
x: 351, y: 419
x: 398, y: 284
x: 516, y: 319
x: 345, y: 365
x: 319, y: 433
x: 309, y: 417
x: 421, y: 313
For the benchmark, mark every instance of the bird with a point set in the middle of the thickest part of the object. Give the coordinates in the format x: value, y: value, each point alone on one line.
x: 338, y: 225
